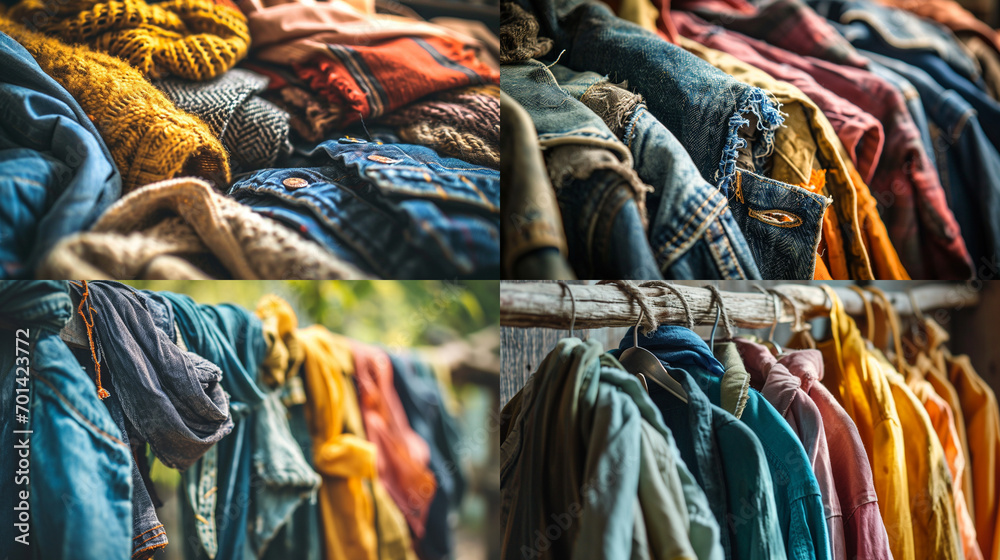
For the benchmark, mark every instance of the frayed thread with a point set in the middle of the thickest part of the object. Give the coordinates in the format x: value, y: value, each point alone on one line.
x: 769, y: 118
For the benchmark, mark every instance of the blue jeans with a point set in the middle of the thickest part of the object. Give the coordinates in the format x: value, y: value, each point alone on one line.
x: 692, y: 99
x: 692, y: 232
x: 56, y: 174
x: 393, y: 210
x: 159, y: 395
x: 427, y: 416
x: 261, y: 474
x: 80, y: 484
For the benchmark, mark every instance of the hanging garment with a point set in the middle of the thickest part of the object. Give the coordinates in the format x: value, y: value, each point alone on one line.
x: 393, y: 210
x: 594, y: 40
x: 855, y: 378
x: 403, y: 454
x: 808, y: 153
x: 359, y: 519
x: 932, y: 500
x: 58, y: 173
x: 260, y: 450
x: 92, y: 492
x: 935, y: 371
x: 692, y: 231
x: 190, y: 39
x: 904, y: 36
x: 534, y: 241
x: 182, y: 229
x: 784, y: 392
x: 588, y: 496
x: 864, y: 531
x: 421, y: 400
x: 149, y: 138
x: 966, y: 160
x: 601, y: 199
x: 903, y: 162
x: 788, y: 24
x: 797, y: 496
x: 158, y: 394
x: 982, y: 424
x: 943, y: 421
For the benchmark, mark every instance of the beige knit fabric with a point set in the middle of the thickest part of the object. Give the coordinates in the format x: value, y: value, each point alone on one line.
x: 181, y: 228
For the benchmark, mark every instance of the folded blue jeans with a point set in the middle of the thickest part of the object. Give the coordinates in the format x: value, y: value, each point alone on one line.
x: 393, y: 210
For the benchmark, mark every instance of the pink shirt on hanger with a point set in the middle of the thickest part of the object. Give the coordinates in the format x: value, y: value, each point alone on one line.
x: 863, y: 530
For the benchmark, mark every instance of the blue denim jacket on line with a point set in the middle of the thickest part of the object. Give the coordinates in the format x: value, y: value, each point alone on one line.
x: 71, y: 428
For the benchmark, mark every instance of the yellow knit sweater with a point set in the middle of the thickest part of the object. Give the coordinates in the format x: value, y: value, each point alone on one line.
x: 191, y: 39
x: 149, y: 138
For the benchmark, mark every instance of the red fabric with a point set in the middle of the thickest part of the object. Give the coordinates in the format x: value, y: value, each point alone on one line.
x: 921, y: 226
x: 789, y: 24
x: 403, y: 456
x: 372, y: 80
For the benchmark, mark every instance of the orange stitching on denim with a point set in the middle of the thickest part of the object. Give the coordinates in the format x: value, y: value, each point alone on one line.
x: 102, y: 393
x: 684, y: 227
x: 478, y: 191
x: 151, y: 538
x: 776, y: 218
x: 739, y: 187
x: 151, y: 547
x: 209, y: 493
x: 202, y: 519
x: 146, y: 531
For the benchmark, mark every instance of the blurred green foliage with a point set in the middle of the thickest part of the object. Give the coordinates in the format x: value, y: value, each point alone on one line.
x: 395, y: 314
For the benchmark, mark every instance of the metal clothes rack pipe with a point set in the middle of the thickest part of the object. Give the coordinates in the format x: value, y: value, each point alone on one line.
x: 546, y: 305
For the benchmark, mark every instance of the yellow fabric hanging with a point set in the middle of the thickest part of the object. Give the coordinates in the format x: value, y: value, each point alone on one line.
x: 856, y: 379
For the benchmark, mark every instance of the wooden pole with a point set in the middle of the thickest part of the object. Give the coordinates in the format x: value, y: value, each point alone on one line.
x: 544, y: 304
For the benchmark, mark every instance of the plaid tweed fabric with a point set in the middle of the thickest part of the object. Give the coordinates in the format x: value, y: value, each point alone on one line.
x: 253, y: 130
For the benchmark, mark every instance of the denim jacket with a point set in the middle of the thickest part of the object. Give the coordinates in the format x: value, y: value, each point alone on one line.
x: 691, y: 98
x: 692, y: 231
x: 393, y: 210
x: 80, y: 470
x: 600, y: 197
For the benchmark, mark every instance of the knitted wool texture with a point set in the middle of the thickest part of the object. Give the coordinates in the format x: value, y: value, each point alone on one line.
x: 149, y: 138
x: 182, y: 229
x: 462, y: 123
x: 192, y: 39
x: 252, y: 129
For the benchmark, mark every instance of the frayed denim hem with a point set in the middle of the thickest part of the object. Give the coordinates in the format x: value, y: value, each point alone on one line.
x: 769, y: 118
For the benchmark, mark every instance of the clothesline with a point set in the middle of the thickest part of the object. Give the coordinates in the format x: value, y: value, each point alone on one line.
x: 548, y: 305
x: 464, y: 357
